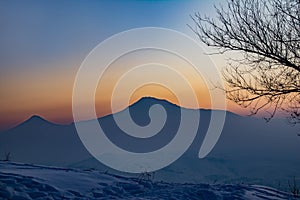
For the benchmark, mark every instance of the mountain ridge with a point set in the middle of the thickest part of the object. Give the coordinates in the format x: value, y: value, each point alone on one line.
x: 248, y: 149
x: 144, y: 100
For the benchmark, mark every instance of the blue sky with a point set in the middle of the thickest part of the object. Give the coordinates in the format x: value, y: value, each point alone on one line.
x: 45, y: 31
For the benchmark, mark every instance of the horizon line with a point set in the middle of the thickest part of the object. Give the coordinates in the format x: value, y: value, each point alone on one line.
x: 134, y: 103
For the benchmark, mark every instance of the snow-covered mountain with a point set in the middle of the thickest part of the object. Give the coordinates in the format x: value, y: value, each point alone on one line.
x: 249, y: 149
x: 20, y: 181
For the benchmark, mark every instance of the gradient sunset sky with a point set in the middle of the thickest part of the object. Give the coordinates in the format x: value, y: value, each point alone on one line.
x: 43, y: 43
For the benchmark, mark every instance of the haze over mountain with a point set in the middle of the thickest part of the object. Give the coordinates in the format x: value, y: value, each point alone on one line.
x: 249, y: 149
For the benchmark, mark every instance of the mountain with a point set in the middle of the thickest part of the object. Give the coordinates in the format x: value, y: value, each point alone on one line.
x: 249, y: 149
x: 39, y: 141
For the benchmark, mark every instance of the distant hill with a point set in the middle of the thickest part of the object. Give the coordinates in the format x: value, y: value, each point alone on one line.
x: 249, y: 149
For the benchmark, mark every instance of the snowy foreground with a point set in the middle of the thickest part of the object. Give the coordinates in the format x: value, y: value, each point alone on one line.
x: 22, y: 181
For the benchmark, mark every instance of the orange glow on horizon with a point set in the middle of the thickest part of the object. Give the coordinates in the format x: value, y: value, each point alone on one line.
x: 49, y: 94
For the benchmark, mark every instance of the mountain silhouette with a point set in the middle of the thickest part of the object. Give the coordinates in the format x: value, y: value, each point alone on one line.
x: 248, y: 147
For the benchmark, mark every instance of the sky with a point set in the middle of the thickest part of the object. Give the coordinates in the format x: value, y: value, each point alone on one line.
x: 43, y: 43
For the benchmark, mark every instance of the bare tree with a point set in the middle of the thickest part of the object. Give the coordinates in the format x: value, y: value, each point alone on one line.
x: 267, y: 33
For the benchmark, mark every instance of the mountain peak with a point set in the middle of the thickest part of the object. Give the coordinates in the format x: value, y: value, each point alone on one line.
x: 152, y: 100
x: 35, y: 119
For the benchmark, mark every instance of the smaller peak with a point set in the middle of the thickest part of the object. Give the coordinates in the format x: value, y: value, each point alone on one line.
x: 36, y: 118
